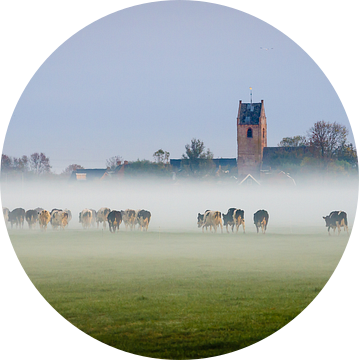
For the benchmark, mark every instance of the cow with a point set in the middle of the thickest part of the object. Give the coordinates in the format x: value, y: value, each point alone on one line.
x: 17, y: 217
x: 336, y: 219
x: 114, y: 219
x: 129, y: 218
x: 143, y: 219
x: 59, y: 219
x: 238, y: 219
x: 261, y: 220
x: 200, y: 220
x: 69, y: 215
x: 228, y: 219
x: 31, y: 217
x: 102, y: 216
x: 6, y: 212
x: 234, y: 217
x: 94, y: 217
x: 44, y: 219
x: 212, y: 218
x: 85, y: 218
x: 38, y: 209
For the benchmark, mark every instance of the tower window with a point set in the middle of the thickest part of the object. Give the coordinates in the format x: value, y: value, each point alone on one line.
x: 263, y: 133
x: 249, y: 133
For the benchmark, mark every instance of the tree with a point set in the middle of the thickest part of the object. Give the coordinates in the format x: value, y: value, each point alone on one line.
x: 39, y: 163
x: 71, y: 168
x: 21, y: 164
x: 196, y: 155
x: 327, y: 138
x: 9, y: 163
x: 113, y: 161
x: 348, y: 153
x: 293, y: 141
x: 161, y: 156
x: 6, y: 163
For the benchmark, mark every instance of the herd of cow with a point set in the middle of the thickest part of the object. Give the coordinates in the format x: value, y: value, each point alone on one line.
x: 235, y: 218
x: 59, y: 218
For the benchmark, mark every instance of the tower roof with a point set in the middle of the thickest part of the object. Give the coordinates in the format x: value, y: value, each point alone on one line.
x: 249, y: 113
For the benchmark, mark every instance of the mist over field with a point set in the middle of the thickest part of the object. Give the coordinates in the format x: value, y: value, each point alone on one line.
x: 174, y: 205
x: 174, y: 292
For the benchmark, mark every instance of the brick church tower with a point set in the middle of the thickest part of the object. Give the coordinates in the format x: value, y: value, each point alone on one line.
x: 251, y: 137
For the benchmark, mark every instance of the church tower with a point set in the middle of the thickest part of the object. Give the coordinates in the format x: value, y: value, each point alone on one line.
x: 251, y: 137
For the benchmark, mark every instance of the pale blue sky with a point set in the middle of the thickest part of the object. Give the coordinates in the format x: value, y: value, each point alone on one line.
x: 157, y: 75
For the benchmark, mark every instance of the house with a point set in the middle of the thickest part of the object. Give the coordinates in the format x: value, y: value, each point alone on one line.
x: 98, y: 174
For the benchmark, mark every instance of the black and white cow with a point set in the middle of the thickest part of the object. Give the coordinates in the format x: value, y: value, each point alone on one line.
x: 114, y: 219
x: 228, y: 218
x: 102, y: 216
x: 85, y: 218
x: 129, y: 218
x: 31, y: 216
x: 200, y: 220
x: 143, y: 219
x: 261, y: 220
x: 336, y: 219
x: 59, y: 218
x: 238, y: 218
x: 17, y: 217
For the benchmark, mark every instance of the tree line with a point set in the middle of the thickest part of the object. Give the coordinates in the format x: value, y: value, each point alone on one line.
x: 324, y: 147
x: 37, y: 163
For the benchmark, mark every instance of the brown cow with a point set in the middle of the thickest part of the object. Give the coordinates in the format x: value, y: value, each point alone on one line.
x: 213, y: 218
x: 44, y: 219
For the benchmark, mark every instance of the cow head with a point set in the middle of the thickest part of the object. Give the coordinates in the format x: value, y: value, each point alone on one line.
x: 327, y: 221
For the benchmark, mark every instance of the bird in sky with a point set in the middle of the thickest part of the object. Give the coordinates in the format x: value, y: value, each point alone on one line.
x: 266, y: 48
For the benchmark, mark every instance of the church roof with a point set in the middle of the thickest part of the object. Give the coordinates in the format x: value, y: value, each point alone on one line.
x: 249, y: 113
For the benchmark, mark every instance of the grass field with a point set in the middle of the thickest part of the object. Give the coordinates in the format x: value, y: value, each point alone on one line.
x: 178, y: 295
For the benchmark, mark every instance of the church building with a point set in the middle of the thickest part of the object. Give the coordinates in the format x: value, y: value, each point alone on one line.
x: 251, y: 137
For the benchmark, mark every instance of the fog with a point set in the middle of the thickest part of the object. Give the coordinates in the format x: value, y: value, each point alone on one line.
x: 174, y: 205
x: 150, y: 264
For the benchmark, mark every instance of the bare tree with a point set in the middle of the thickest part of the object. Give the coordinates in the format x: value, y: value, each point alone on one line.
x: 9, y: 163
x: 73, y: 167
x: 327, y: 138
x: 21, y: 164
x: 39, y: 163
x: 113, y: 161
x: 6, y: 163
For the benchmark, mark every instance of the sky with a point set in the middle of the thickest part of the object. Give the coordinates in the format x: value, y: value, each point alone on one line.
x: 156, y: 76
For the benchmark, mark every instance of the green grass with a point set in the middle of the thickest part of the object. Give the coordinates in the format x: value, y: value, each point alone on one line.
x: 178, y: 295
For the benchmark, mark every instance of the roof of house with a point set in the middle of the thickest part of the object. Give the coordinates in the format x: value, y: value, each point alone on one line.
x: 91, y: 174
x: 249, y: 179
x: 230, y: 162
x: 249, y: 114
